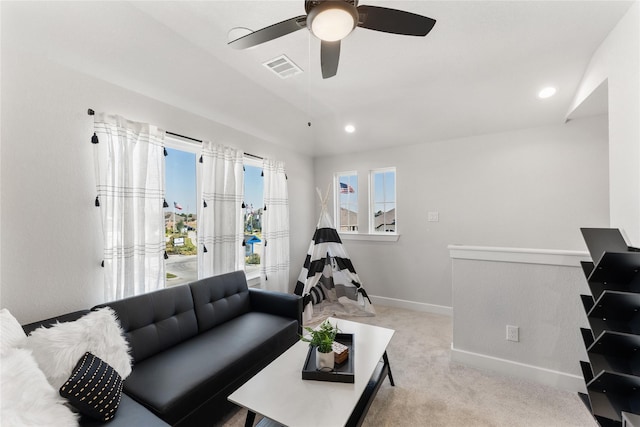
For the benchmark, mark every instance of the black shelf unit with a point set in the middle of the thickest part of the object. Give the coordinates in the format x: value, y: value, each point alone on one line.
x: 612, y: 374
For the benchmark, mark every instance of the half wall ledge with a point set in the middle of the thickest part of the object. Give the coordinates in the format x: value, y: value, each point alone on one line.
x: 519, y: 255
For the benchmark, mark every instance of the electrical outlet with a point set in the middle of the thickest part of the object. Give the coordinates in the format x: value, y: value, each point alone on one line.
x: 513, y: 333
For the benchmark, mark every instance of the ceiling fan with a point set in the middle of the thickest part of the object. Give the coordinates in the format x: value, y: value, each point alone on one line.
x: 333, y: 20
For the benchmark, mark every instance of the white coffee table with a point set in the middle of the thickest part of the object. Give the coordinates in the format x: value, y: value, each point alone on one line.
x: 279, y: 393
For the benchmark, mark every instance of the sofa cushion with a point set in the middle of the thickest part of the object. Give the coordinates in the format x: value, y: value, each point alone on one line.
x: 220, y: 298
x: 156, y: 321
x: 175, y: 382
x: 130, y: 414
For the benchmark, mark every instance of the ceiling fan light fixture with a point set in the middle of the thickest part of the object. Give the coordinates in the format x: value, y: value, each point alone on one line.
x: 332, y: 20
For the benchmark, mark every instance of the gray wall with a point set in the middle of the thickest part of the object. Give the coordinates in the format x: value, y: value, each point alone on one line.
x: 51, y: 240
x: 537, y: 291
x: 532, y: 188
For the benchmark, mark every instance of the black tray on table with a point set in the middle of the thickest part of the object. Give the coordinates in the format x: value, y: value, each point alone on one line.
x: 341, y: 373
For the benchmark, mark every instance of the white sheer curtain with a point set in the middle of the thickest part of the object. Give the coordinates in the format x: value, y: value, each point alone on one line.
x: 220, y: 225
x: 129, y: 162
x: 274, y: 268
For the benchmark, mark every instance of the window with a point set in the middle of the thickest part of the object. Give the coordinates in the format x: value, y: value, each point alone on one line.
x: 181, y: 221
x: 253, y: 207
x: 347, y: 205
x: 382, y: 217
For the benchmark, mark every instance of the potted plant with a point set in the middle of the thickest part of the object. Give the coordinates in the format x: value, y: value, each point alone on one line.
x: 322, y: 339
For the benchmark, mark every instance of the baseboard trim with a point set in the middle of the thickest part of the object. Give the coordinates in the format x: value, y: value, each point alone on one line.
x: 549, y: 377
x: 412, y: 305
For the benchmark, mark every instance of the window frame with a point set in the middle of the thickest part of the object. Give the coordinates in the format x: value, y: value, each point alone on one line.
x: 362, y: 234
x: 254, y: 277
x: 336, y: 204
x: 177, y: 143
x: 372, y: 201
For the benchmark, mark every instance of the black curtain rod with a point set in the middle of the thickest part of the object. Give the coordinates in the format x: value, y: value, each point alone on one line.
x: 200, y: 141
x: 91, y: 113
x: 183, y: 136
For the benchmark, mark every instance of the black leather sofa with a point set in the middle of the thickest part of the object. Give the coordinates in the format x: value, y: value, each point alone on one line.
x: 192, y: 345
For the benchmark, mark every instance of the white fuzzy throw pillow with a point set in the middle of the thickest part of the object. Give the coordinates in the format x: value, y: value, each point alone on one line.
x: 57, y: 349
x: 28, y: 400
x: 11, y: 333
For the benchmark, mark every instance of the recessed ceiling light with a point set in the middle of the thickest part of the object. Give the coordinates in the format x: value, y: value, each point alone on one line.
x: 237, y: 32
x: 350, y: 128
x: 547, y: 92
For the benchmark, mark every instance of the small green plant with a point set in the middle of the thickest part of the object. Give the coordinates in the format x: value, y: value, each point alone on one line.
x: 322, y: 337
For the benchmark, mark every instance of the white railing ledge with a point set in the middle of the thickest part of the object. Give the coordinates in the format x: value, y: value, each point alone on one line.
x: 519, y: 255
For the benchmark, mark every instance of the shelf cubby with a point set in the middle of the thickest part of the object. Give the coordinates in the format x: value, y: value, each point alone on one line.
x: 612, y: 374
x: 616, y: 311
x: 617, y: 352
x: 616, y: 272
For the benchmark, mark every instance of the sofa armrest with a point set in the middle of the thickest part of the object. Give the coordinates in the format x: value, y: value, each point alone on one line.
x: 278, y: 303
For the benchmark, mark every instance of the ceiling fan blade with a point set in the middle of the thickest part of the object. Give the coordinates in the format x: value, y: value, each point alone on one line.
x: 271, y: 32
x: 329, y: 57
x: 394, y: 21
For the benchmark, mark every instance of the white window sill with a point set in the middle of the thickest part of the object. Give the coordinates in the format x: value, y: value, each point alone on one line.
x: 377, y: 237
x: 253, y: 279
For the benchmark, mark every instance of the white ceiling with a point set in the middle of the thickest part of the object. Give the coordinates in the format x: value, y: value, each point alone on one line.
x: 477, y: 72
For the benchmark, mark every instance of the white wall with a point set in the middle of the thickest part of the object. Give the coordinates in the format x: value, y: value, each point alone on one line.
x: 531, y: 188
x: 51, y: 240
x: 617, y: 61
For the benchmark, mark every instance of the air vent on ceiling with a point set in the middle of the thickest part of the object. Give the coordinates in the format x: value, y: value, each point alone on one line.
x: 283, y: 66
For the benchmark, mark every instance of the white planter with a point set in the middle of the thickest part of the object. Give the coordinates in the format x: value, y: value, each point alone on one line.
x: 324, y: 361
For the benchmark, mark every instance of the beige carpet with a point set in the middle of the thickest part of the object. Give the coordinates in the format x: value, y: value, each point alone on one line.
x: 433, y: 391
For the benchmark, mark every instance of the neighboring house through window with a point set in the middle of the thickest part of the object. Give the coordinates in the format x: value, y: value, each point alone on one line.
x: 382, y: 217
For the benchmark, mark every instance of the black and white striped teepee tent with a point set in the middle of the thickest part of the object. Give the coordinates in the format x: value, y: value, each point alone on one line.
x: 328, y: 282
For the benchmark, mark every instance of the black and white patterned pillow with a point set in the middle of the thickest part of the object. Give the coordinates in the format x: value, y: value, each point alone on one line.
x: 317, y: 294
x: 94, y: 388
